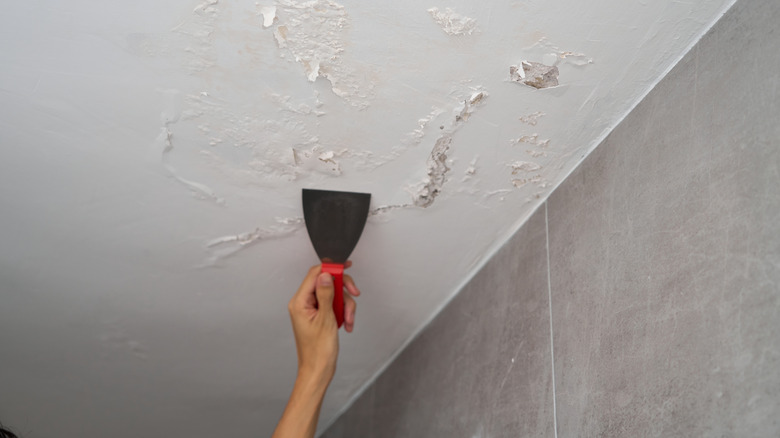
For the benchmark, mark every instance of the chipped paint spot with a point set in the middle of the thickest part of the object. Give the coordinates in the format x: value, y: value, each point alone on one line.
x: 427, y: 191
x: 534, y: 74
x: 453, y: 23
x: 532, y: 119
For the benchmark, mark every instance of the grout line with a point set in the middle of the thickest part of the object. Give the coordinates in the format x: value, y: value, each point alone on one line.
x: 549, y: 301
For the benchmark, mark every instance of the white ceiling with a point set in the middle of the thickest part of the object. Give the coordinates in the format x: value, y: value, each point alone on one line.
x: 152, y: 156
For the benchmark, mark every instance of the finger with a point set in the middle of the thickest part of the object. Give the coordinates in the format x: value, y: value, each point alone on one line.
x: 305, y: 293
x: 349, y: 283
x: 309, y: 282
x: 350, y: 307
x: 324, y: 291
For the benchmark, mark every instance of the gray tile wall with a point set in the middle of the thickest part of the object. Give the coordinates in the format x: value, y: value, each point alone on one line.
x: 482, y: 367
x: 664, y: 291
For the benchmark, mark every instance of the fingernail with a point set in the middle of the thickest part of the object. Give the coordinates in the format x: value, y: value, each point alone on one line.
x: 326, y: 280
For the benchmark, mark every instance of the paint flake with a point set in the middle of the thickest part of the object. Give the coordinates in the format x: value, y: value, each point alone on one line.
x: 534, y: 74
x: 453, y: 23
x: 269, y: 15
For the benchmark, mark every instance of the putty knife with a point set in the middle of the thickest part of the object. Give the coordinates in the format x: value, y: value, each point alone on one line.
x: 335, y: 221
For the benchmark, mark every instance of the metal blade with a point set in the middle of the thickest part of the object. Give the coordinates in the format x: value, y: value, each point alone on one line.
x: 335, y: 221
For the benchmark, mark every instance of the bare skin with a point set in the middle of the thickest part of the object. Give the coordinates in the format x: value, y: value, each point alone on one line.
x: 317, y: 343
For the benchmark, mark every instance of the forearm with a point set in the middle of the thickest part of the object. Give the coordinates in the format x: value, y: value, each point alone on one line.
x: 300, y: 416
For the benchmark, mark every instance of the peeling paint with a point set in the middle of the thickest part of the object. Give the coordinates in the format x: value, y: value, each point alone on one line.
x: 532, y: 139
x: 273, y: 150
x: 453, y: 23
x: 520, y: 182
x: 223, y: 247
x: 532, y: 119
x: 534, y: 74
x: 425, y: 193
x: 524, y: 166
x: 382, y: 209
x: 313, y: 33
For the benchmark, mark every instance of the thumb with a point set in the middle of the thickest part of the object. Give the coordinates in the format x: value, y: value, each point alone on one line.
x: 324, y: 291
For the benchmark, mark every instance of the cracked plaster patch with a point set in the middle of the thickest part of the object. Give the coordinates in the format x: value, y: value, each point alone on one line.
x: 437, y: 167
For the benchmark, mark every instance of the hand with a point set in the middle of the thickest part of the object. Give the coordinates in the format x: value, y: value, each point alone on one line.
x: 314, y: 323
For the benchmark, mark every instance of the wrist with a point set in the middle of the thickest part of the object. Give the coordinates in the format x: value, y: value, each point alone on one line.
x: 315, y: 377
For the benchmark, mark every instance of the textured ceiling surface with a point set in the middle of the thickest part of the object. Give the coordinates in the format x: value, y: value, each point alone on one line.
x: 152, y: 156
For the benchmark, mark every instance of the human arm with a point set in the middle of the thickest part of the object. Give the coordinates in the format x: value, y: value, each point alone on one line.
x: 317, y: 344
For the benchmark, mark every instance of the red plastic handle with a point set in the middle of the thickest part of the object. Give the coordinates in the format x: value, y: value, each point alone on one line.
x: 337, y: 271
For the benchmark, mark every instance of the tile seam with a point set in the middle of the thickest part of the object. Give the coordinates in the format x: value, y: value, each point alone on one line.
x: 549, y: 302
